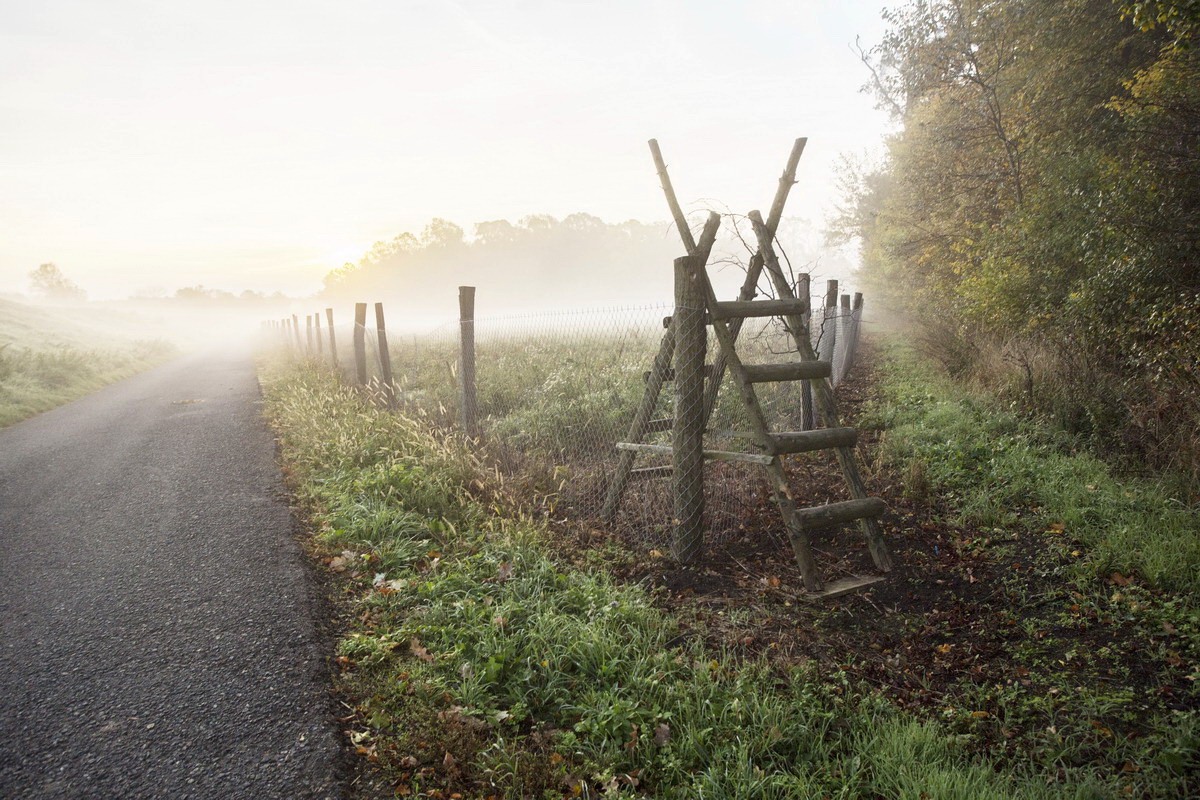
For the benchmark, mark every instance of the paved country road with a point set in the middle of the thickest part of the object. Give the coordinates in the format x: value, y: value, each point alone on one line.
x: 158, y: 631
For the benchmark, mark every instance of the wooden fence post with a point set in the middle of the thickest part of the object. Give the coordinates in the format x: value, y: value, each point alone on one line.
x: 385, y: 358
x: 855, y: 327
x: 828, y: 339
x: 317, y: 327
x: 466, y: 360
x: 687, y: 451
x: 308, y: 333
x: 804, y: 292
x: 360, y: 343
x: 332, y: 339
x: 296, y: 332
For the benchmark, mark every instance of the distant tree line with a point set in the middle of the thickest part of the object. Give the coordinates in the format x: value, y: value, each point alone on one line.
x: 1039, y: 207
x: 533, y: 263
x: 49, y: 282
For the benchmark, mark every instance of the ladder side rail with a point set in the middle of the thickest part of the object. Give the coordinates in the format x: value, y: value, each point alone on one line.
x: 824, y: 400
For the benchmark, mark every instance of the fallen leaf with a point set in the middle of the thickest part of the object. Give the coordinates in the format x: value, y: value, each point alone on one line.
x: 419, y: 651
x: 448, y: 761
x: 980, y: 715
x: 504, y: 571
x: 1119, y: 579
x: 662, y: 734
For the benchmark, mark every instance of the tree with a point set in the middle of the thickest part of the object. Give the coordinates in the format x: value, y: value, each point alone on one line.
x: 1040, y: 197
x: 50, y: 282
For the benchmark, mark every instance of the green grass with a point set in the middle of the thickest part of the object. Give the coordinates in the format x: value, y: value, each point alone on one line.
x: 995, y: 469
x: 51, y: 356
x: 486, y: 662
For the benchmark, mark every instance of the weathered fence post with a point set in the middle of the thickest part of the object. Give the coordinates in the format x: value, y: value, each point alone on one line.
x: 466, y: 361
x: 385, y: 358
x: 320, y: 344
x: 844, y: 334
x: 332, y: 339
x: 827, y: 348
x: 308, y: 334
x: 855, y: 327
x: 691, y: 339
x: 296, y: 332
x: 360, y: 343
x: 804, y: 292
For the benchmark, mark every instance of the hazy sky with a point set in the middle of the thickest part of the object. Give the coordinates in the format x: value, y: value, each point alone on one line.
x: 259, y: 144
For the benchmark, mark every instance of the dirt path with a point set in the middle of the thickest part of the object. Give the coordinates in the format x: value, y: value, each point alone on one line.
x: 157, y: 630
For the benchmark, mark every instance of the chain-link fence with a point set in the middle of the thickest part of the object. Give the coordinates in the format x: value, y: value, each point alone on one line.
x: 557, y: 395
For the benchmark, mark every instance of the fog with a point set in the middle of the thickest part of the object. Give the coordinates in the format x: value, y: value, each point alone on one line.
x: 259, y: 146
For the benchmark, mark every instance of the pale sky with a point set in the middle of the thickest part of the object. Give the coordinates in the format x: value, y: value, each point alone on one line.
x: 258, y: 145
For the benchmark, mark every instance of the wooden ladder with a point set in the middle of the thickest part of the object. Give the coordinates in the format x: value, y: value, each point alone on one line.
x: 726, y: 319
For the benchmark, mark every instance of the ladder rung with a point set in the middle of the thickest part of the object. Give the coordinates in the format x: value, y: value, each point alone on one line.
x: 819, y: 439
x: 711, y: 455
x: 844, y: 586
x: 669, y: 373
x: 652, y: 472
x: 730, y: 309
x: 836, y: 513
x: 796, y: 371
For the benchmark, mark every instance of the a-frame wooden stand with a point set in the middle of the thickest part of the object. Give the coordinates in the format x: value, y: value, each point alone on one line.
x: 684, y: 344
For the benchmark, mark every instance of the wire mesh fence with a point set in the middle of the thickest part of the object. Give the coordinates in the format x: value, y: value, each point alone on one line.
x: 557, y: 395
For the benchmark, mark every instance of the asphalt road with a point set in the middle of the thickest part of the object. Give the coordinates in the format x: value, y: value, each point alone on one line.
x: 158, y: 628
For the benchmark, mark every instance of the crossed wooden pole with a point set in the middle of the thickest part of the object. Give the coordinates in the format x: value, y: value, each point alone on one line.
x: 643, y: 425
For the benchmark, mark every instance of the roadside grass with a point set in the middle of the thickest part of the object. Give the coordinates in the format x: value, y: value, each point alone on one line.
x: 997, y: 470
x: 484, y: 663
x: 32, y: 381
x: 52, y: 355
x: 1103, y: 657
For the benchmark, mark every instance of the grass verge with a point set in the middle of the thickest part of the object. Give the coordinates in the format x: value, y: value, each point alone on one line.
x: 50, y: 355
x: 485, y: 665
x: 997, y: 470
x: 33, y: 381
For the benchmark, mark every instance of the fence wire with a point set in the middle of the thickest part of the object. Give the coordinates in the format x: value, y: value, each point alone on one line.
x: 558, y: 392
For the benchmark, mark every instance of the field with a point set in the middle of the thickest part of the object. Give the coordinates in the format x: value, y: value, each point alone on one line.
x: 1040, y: 637
x: 52, y: 355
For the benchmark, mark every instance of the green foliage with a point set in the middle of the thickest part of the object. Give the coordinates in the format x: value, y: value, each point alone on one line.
x: 999, y: 470
x: 1043, y: 191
